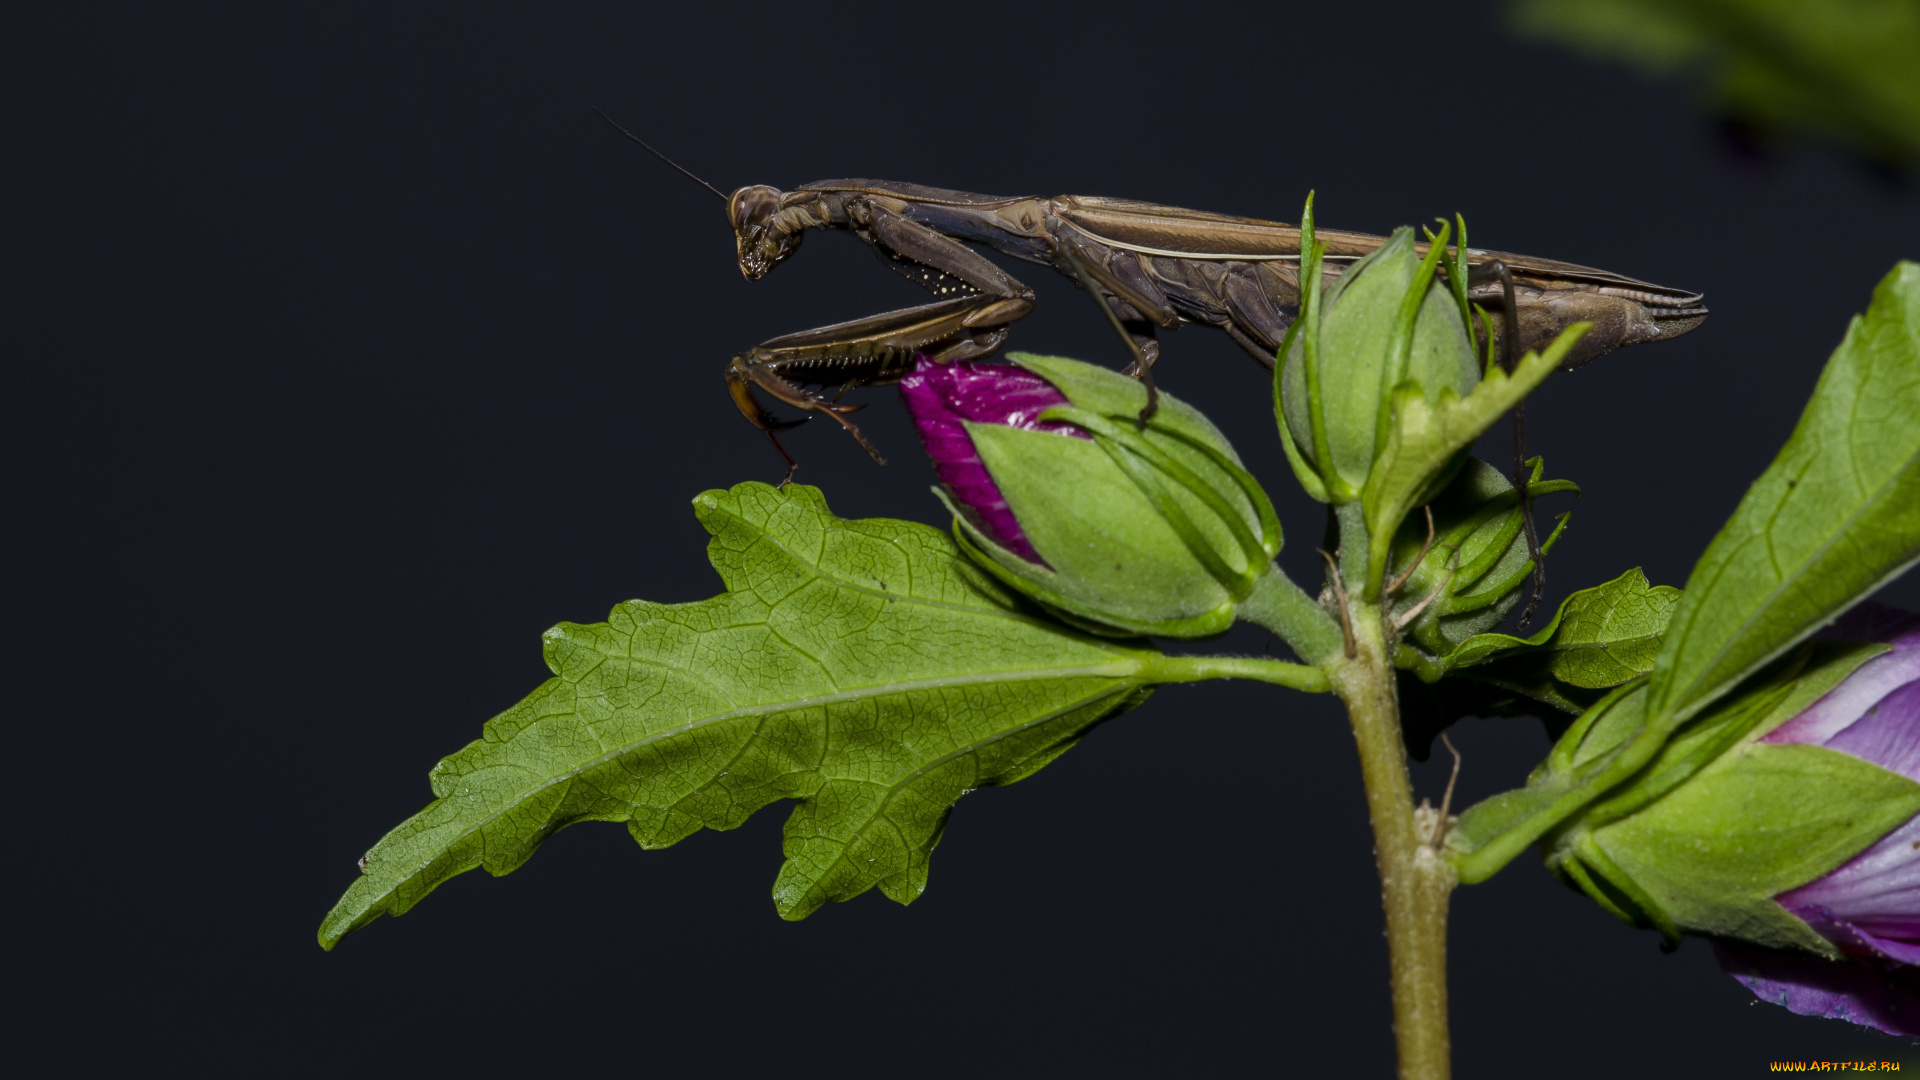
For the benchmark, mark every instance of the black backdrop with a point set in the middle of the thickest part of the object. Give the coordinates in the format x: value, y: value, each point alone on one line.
x: 351, y: 350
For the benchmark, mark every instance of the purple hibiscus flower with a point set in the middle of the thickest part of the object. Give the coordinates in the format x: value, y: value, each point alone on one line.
x: 942, y: 398
x: 1870, y: 906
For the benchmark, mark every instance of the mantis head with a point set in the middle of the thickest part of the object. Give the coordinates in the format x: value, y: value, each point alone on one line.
x: 759, y: 233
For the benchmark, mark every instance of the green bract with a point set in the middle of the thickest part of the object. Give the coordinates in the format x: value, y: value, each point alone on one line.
x: 1155, y: 530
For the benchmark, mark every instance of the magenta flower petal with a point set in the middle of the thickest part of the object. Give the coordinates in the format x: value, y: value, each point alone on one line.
x: 1869, y: 907
x: 942, y: 398
x: 1878, y: 890
x: 1889, y: 733
x: 1866, y: 992
x: 1849, y: 701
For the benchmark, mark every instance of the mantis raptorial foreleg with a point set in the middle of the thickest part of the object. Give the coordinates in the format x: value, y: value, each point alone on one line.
x: 979, y: 302
x: 879, y: 348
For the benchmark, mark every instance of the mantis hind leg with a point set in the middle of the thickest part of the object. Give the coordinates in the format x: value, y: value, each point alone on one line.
x: 1510, y: 356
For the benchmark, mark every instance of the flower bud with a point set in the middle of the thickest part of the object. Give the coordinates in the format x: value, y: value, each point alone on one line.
x: 943, y: 399
x: 1476, y: 568
x: 1058, y: 492
x: 1792, y: 833
x: 1384, y: 322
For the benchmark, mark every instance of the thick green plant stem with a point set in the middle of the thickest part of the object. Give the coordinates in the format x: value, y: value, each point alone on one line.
x: 1414, y: 881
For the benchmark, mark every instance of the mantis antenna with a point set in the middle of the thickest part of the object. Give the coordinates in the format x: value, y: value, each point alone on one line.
x: 661, y: 156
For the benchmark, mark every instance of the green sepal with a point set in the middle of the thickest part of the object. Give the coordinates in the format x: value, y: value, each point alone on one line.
x: 1132, y: 451
x: 1043, y: 585
x: 1710, y: 855
x: 1400, y: 364
x: 1615, y: 741
x: 1108, y: 393
x: 1618, y: 892
x: 1492, y: 832
x: 1141, y: 530
x: 1303, y: 469
x: 1309, y: 397
x: 1453, y: 263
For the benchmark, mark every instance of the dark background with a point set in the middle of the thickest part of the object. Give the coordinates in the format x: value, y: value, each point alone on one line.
x: 351, y: 351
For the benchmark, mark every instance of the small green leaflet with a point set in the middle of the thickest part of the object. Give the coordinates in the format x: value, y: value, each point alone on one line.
x: 1834, y: 517
x: 1600, y: 638
x: 861, y: 668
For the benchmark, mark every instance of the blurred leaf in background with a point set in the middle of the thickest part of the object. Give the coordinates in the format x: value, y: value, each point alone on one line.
x: 1844, y: 71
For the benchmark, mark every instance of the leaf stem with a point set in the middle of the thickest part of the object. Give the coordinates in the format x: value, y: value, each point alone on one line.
x: 1284, y: 608
x: 1415, y: 881
x: 1173, y: 669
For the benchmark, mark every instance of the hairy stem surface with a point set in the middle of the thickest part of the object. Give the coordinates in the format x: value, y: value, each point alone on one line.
x: 1172, y: 669
x: 1414, y: 880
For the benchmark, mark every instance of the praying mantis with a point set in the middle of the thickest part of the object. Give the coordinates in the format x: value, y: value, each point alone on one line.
x: 1151, y: 267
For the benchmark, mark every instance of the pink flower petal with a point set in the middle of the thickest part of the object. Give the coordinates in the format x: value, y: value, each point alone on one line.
x: 942, y: 398
x: 1870, y: 993
x: 1849, y: 701
x: 1871, y: 905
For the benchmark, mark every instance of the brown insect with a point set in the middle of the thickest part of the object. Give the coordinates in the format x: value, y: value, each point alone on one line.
x: 1153, y: 267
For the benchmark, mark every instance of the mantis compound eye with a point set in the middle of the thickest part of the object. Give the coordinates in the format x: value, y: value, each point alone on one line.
x: 752, y: 206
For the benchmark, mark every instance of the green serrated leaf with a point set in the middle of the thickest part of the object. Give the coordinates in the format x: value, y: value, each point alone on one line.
x: 861, y: 668
x: 1836, y: 515
x: 1601, y: 637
